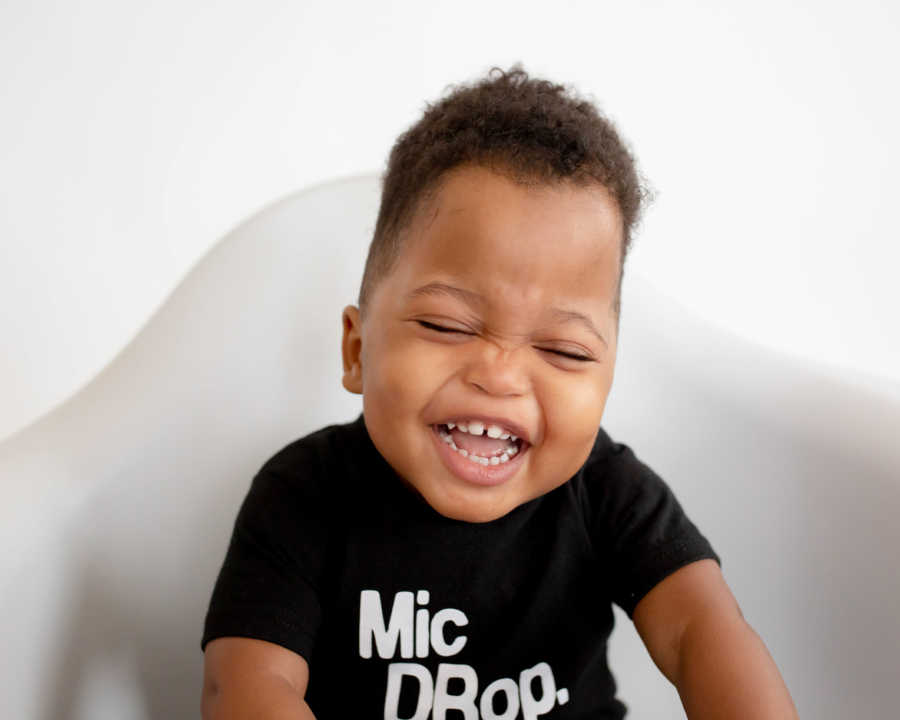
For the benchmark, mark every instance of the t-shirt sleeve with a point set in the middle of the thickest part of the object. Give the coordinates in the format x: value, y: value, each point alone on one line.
x: 269, y: 587
x: 638, y: 526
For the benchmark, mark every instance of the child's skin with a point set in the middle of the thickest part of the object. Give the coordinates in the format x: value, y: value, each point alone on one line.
x: 499, y: 288
x: 501, y: 309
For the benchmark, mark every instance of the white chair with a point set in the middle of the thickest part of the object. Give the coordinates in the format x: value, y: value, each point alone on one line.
x: 117, y: 506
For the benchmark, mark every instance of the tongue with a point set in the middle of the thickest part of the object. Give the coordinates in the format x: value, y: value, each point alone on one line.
x: 479, y: 444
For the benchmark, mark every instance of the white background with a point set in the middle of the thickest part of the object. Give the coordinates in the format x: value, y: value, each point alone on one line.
x: 133, y: 136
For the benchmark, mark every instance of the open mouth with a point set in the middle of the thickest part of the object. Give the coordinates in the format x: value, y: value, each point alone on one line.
x: 480, y: 443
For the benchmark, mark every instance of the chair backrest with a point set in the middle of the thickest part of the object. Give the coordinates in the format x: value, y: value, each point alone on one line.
x: 117, y: 506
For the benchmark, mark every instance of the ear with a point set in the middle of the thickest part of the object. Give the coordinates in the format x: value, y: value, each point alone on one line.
x: 351, y: 349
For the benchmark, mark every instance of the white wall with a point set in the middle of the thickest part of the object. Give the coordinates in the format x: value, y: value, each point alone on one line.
x: 134, y: 135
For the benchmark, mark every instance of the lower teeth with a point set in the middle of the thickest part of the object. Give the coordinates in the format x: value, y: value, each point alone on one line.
x: 477, y: 459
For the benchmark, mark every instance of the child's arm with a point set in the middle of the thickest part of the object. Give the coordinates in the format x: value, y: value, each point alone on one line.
x: 244, y: 678
x: 695, y: 633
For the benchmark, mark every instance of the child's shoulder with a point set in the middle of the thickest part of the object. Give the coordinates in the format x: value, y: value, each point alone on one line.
x: 613, y: 474
x: 309, y: 466
x: 345, y: 442
x: 609, y: 456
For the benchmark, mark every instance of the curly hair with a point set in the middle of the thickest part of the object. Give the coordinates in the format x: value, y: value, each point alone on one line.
x: 531, y: 130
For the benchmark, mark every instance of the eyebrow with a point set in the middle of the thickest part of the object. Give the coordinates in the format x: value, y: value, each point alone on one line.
x: 439, y: 288
x: 473, y: 299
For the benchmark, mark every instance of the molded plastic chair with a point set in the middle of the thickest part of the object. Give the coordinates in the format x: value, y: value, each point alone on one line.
x: 117, y: 506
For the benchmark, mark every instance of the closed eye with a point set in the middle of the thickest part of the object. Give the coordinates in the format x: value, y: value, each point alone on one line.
x: 568, y: 355
x: 442, y: 328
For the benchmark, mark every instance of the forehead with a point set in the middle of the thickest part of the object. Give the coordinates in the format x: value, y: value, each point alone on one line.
x: 516, y: 243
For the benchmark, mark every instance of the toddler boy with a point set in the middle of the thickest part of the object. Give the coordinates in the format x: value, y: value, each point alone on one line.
x: 455, y: 551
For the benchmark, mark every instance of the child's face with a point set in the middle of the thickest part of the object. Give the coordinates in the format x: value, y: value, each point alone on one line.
x: 497, y: 285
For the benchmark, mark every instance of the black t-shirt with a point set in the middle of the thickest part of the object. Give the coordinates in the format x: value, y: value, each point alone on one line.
x: 403, y: 613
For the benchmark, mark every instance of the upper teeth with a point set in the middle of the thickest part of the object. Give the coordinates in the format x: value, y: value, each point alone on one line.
x: 475, y: 427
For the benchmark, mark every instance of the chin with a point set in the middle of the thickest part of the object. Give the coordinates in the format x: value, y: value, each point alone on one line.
x: 471, y: 510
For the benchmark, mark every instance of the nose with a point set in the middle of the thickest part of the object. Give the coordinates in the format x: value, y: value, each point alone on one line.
x: 496, y: 371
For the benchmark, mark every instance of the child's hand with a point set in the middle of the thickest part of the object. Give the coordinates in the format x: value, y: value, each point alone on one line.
x: 695, y: 633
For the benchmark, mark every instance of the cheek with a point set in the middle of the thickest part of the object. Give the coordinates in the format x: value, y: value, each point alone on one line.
x: 402, y: 373
x: 573, y: 408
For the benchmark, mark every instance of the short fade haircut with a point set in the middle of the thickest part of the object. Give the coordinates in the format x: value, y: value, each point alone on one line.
x: 531, y: 130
